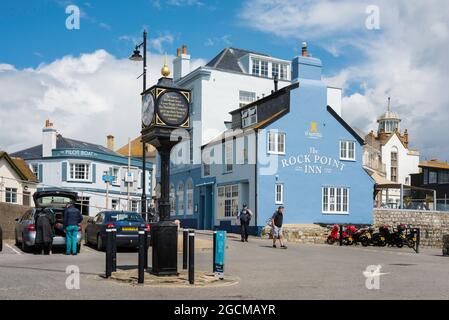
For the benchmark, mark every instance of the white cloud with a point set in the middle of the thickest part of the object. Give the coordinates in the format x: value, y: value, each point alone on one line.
x: 87, y: 98
x: 406, y: 59
x: 158, y: 43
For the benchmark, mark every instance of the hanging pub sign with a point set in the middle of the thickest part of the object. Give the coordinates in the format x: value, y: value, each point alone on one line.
x: 166, y: 107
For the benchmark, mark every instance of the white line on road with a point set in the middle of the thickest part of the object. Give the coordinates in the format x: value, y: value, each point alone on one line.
x: 17, y: 252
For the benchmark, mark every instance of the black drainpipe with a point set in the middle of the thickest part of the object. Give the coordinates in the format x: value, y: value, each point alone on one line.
x: 255, y: 184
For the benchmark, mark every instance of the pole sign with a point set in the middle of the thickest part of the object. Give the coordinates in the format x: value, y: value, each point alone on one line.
x: 108, y: 178
x: 220, y: 253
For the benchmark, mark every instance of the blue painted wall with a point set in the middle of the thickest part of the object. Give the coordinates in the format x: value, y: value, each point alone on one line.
x: 303, y: 191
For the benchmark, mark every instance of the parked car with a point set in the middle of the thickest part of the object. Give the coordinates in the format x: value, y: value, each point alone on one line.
x: 25, y: 228
x: 126, y: 223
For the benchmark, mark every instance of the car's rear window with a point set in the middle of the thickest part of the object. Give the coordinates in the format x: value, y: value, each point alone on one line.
x: 53, y: 201
x: 124, y: 216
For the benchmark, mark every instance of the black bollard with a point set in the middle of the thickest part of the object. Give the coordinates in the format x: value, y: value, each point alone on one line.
x: 418, y: 239
x: 114, y: 249
x: 215, y: 251
x: 185, y: 248
x: 141, y: 277
x: 192, y: 257
x: 1, y: 239
x: 341, y: 235
x: 146, y: 250
x: 108, y: 252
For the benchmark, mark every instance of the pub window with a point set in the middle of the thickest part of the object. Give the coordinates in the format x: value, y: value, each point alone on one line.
x: 347, y: 150
x: 228, y: 201
x: 335, y: 200
x: 433, y: 177
x: 79, y: 171
x: 279, y: 193
x: 276, y: 142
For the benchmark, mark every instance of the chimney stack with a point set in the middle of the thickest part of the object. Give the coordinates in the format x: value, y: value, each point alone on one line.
x: 181, y: 64
x: 406, y: 138
x: 48, y: 139
x: 110, y: 142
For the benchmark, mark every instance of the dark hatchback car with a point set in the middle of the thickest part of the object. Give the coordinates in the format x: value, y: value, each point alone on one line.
x: 126, y: 223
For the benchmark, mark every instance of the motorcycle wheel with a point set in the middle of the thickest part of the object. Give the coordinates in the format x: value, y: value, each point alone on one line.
x: 411, y: 243
x: 364, y: 241
x: 330, y: 240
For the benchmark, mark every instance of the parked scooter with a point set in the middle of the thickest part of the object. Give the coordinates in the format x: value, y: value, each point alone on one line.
x: 364, y: 236
x: 334, y: 236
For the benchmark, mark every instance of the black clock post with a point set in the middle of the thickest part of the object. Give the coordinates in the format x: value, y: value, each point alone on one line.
x: 166, y: 108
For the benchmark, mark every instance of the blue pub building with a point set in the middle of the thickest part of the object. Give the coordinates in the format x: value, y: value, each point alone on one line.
x: 289, y: 148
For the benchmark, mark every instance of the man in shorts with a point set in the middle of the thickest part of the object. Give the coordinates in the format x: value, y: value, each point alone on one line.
x: 276, y: 223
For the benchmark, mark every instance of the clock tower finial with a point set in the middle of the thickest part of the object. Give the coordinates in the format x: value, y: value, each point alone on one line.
x: 165, y: 71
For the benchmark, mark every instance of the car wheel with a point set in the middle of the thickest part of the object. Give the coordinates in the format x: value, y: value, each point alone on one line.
x: 17, y: 239
x: 100, y: 245
x: 24, y: 246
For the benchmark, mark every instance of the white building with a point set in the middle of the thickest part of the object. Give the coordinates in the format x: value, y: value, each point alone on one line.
x: 17, y: 182
x: 233, y: 78
x: 387, y: 155
x: 68, y: 164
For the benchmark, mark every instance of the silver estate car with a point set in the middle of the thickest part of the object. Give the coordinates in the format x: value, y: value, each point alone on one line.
x: 25, y: 229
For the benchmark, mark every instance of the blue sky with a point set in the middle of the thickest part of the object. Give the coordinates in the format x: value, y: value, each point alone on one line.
x: 76, y: 77
x: 206, y: 27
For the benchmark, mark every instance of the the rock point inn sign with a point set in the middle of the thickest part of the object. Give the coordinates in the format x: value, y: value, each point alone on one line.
x: 313, y: 163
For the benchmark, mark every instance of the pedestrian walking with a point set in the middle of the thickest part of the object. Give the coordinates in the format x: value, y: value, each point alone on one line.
x: 245, y: 216
x: 44, y: 222
x: 276, y: 224
x: 72, y: 217
x: 151, y: 213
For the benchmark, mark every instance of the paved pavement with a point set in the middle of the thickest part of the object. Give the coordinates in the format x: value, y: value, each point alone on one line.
x: 301, y: 272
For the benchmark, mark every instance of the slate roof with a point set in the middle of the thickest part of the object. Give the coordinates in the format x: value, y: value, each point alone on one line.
x: 20, y: 167
x: 228, y: 59
x: 62, y: 143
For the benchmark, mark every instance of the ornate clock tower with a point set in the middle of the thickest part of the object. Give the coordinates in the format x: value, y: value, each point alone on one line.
x: 165, y: 121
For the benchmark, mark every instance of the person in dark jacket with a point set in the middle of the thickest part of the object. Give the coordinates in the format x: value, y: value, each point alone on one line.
x: 276, y: 223
x: 45, y: 220
x: 72, y: 217
x: 245, y: 216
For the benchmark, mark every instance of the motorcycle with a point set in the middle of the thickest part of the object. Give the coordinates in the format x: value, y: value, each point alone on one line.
x: 334, y: 236
x: 364, y: 236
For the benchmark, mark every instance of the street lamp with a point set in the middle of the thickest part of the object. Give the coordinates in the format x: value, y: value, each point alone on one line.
x: 136, y: 56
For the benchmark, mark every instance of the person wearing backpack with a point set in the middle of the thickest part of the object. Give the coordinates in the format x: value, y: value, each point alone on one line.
x: 245, y: 216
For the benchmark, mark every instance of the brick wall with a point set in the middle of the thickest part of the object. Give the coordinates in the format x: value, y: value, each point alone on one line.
x: 434, y: 225
x: 8, y: 214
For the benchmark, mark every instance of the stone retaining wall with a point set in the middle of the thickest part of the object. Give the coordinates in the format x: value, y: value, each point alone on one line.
x: 301, y: 233
x: 8, y: 214
x: 433, y: 224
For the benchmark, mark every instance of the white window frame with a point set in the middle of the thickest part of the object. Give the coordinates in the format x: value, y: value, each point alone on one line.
x: 344, y: 152
x: 189, y: 197
x: 74, y: 163
x: 279, y: 193
x: 117, y: 176
x: 227, y: 194
x: 246, y: 97
x: 249, y: 117
x: 283, y: 71
x: 12, y: 194
x: 255, y: 68
x: 36, y: 172
x: 229, y: 156
x: 338, y: 193
x: 264, y: 68
x: 275, y: 70
x: 274, y: 148
x: 180, y: 196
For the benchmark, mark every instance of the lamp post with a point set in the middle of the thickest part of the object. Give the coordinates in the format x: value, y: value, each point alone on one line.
x: 136, y: 56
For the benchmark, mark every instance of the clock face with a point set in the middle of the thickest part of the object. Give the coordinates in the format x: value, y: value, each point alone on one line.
x: 147, y: 109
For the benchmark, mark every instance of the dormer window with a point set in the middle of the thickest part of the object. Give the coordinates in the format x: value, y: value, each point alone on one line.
x: 256, y: 67
x: 264, y: 68
x: 249, y: 117
x: 284, y: 75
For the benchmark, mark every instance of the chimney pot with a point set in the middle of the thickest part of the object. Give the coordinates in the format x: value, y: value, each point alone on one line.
x: 304, y: 50
x: 184, y: 49
x: 178, y: 52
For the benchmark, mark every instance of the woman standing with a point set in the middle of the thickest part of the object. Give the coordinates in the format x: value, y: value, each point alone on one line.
x: 44, y: 231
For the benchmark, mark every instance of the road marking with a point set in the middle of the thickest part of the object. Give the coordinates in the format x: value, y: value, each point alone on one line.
x: 17, y: 252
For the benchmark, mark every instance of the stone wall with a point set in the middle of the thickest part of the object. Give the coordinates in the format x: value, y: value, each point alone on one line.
x: 8, y: 214
x: 301, y: 233
x: 433, y: 224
